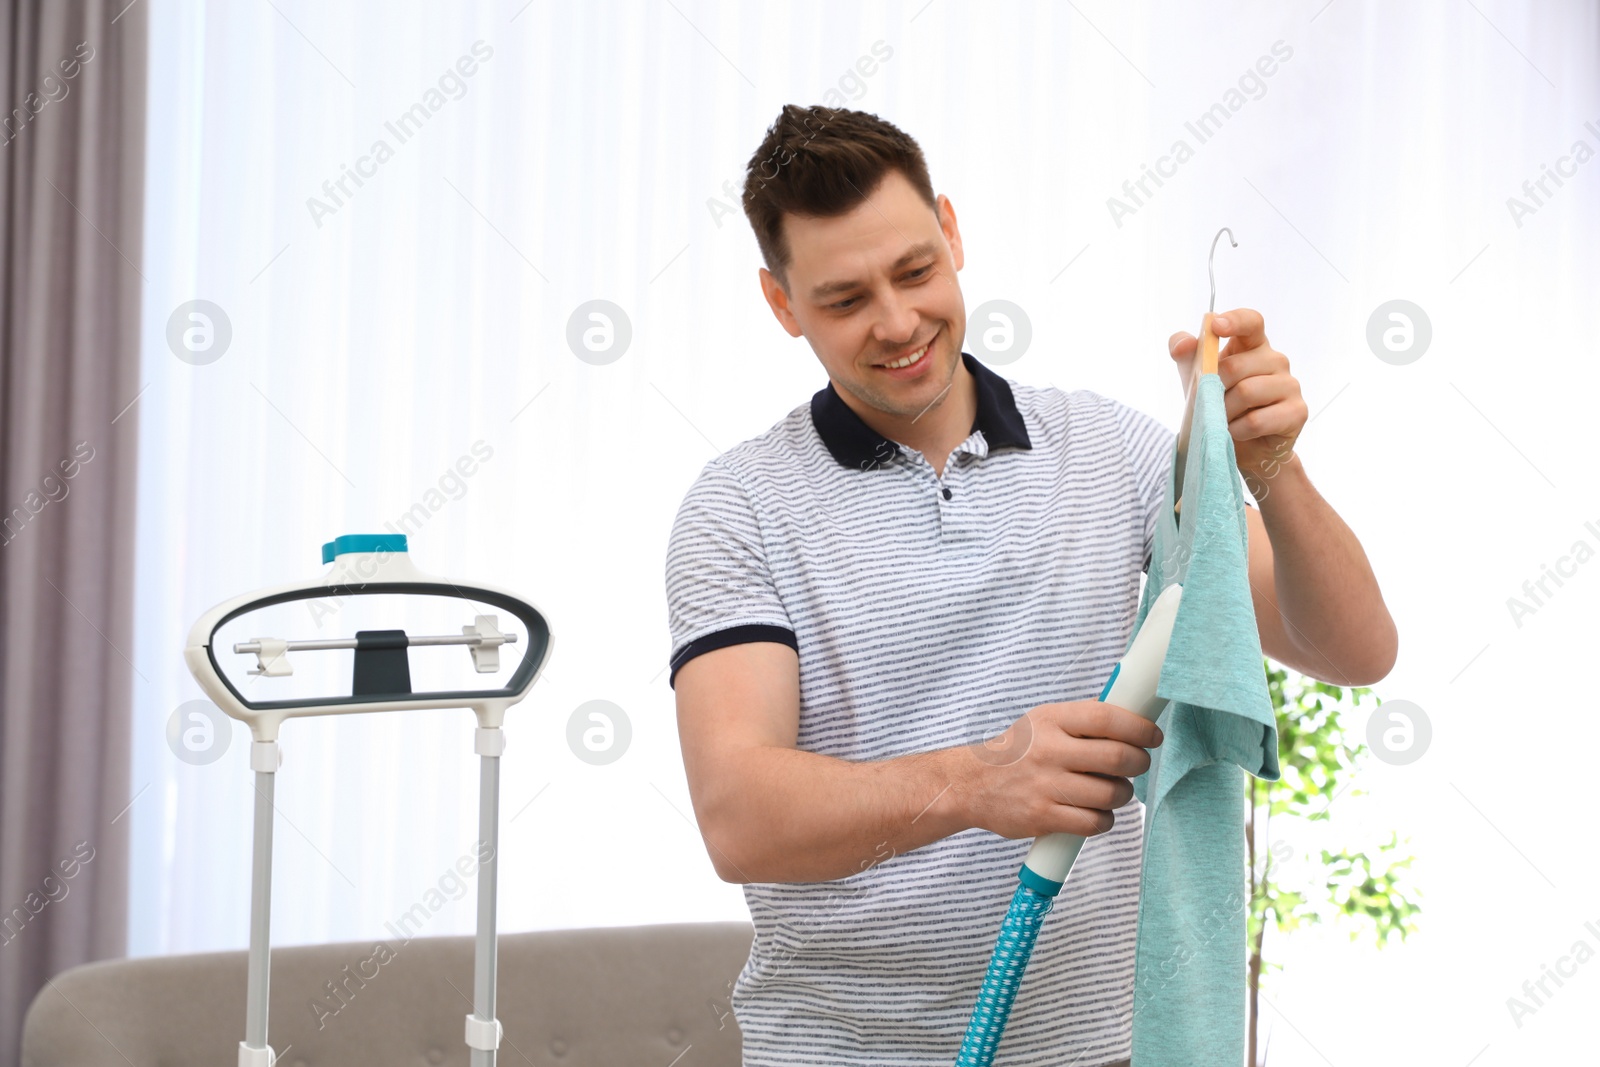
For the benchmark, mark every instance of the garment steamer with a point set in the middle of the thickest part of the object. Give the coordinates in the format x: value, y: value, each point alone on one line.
x: 1132, y: 685
x: 371, y: 565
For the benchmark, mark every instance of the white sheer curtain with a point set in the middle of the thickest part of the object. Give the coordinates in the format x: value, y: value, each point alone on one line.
x: 1360, y: 153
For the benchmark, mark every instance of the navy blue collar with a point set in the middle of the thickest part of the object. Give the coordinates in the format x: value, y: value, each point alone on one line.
x: 855, y: 444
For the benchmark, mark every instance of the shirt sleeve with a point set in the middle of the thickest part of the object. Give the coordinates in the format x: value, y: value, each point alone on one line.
x: 720, y: 590
x: 1149, y: 447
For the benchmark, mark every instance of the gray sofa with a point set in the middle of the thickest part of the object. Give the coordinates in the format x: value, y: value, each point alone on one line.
x: 604, y: 997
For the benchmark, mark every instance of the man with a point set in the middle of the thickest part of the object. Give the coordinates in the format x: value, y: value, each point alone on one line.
x: 891, y: 613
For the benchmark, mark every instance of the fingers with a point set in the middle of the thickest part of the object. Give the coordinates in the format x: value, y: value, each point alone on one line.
x: 1181, y: 346
x: 1094, y: 719
x: 1244, y: 326
x: 1097, y: 755
x: 1238, y: 364
x: 1258, y: 390
x: 1073, y: 775
x: 1098, y: 791
x: 1284, y: 419
x: 1085, y: 822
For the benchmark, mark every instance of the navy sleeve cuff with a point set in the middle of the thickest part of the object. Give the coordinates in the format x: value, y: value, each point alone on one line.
x: 734, y: 635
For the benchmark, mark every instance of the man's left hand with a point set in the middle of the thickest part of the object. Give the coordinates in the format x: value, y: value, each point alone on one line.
x: 1261, y: 398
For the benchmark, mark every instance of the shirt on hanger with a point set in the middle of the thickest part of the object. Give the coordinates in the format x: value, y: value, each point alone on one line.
x: 1190, y: 979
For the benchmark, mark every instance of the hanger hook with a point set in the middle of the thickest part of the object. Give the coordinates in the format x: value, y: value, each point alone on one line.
x: 1211, y: 270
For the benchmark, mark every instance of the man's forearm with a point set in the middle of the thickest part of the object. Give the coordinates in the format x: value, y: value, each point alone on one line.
x: 1333, y: 611
x: 794, y: 816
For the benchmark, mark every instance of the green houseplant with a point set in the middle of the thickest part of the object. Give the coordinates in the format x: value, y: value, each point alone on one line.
x: 1369, y: 892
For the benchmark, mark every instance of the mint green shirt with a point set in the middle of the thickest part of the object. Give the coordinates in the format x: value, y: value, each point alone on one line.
x: 1190, y: 979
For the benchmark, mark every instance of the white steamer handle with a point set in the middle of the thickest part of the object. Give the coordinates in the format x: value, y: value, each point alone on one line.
x: 1132, y: 685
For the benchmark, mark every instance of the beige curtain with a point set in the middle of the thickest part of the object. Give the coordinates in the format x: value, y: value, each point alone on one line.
x: 72, y: 76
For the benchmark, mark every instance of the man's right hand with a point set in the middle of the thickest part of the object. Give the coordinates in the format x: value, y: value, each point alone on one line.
x: 1060, y: 768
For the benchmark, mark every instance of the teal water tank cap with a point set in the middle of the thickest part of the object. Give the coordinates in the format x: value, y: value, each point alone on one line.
x: 363, y: 543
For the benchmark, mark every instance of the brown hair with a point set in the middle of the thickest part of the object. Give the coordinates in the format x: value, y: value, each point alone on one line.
x: 823, y: 162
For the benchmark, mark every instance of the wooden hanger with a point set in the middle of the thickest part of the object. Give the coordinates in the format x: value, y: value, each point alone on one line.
x: 1203, y: 363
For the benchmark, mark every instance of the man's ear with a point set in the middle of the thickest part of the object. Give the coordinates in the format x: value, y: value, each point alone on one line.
x: 778, y: 301
x: 952, y: 232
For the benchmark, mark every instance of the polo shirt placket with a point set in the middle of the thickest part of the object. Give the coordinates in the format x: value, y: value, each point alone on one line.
x: 955, y: 508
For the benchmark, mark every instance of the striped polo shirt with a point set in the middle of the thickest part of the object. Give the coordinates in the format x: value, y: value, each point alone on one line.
x: 928, y: 612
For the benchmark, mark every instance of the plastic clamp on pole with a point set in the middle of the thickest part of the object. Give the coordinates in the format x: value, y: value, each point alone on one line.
x: 489, y: 741
x: 482, y: 1034
x: 265, y: 756
x: 256, y: 1057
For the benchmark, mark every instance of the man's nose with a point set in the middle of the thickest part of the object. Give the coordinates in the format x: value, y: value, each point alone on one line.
x: 897, y: 321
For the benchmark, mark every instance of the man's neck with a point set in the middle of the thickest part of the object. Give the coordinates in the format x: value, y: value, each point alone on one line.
x: 936, y: 431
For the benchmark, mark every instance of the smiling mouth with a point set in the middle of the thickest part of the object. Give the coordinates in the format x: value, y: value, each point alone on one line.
x: 910, y: 360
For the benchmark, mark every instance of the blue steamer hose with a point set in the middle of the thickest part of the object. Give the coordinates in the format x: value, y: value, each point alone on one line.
x: 1012, y: 950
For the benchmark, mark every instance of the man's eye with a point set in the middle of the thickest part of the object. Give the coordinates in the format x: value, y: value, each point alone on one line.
x: 844, y: 305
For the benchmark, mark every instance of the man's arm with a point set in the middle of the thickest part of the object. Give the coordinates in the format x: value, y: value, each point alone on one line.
x: 1317, y: 601
x: 770, y: 812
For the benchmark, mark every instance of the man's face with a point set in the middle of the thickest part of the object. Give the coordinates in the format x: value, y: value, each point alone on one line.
x: 871, y: 287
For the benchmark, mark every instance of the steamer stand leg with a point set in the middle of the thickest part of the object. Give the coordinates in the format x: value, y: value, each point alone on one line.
x: 265, y: 759
x: 483, y: 1029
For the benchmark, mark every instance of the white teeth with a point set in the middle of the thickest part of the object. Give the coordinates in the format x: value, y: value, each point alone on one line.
x: 912, y: 358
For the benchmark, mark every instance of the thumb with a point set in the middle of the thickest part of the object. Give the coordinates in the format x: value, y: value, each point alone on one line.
x: 1181, y: 345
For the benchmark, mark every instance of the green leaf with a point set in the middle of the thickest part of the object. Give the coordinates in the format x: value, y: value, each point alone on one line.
x: 1318, y: 760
